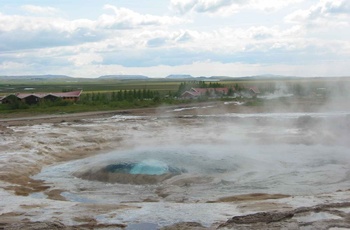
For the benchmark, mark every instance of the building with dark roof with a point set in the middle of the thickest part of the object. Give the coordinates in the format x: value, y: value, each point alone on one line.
x: 34, y: 98
x: 210, y: 92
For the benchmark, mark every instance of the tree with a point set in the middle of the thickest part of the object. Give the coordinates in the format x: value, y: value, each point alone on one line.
x: 139, y: 94
x: 230, y: 92
x: 125, y: 95
x: 120, y: 96
x: 114, y: 96
x: 238, y: 87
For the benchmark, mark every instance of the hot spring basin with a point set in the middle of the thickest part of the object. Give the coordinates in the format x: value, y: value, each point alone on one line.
x: 148, y: 171
x: 205, y: 172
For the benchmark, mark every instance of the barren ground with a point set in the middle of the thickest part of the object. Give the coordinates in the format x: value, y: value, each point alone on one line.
x: 28, y: 145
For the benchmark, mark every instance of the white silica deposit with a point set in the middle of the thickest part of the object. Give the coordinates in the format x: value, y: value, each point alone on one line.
x: 180, y: 167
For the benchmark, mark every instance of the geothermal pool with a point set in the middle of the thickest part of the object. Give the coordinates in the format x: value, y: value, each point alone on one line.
x: 202, y: 173
x: 163, y: 170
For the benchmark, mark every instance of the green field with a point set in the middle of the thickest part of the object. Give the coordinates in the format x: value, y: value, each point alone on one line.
x: 161, y: 85
x: 101, y: 95
x: 87, y: 85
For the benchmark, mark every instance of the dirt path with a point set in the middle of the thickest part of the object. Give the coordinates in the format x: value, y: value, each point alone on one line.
x: 56, y: 118
x: 20, y: 119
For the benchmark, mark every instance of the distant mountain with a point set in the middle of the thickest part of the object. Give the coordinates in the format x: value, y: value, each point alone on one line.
x: 124, y: 77
x: 179, y: 76
x: 35, y: 77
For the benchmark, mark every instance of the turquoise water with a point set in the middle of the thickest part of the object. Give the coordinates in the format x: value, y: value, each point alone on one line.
x: 144, y: 167
x: 150, y: 167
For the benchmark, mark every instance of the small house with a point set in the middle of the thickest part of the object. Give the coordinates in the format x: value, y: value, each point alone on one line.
x: 253, y: 91
x: 209, y: 92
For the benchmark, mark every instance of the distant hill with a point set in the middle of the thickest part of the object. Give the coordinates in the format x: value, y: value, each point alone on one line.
x: 35, y: 77
x: 220, y: 77
x: 179, y: 76
x: 124, y: 77
x: 267, y: 77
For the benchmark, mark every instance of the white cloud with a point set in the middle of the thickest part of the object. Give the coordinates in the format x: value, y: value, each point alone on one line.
x: 227, y: 7
x: 206, y: 6
x: 9, y: 23
x: 161, y: 47
x: 84, y: 59
x: 324, y: 14
x: 9, y: 66
x: 124, y: 40
x: 27, y: 32
x: 229, y: 40
x: 121, y: 18
x: 125, y: 19
x: 271, y: 5
x: 184, y: 36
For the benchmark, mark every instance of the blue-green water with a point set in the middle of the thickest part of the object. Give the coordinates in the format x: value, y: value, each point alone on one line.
x: 145, y: 167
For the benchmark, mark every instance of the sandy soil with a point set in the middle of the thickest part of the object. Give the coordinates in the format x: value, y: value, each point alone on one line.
x: 25, y: 149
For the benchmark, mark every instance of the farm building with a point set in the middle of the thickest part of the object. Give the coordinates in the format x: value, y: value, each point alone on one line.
x: 210, y: 92
x: 253, y: 91
x: 34, y: 98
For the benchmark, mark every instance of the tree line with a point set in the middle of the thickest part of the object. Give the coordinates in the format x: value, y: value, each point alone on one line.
x: 121, y: 95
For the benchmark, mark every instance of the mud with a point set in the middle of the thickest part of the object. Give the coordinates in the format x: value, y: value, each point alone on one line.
x: 289, y: 219
x: 260, y: 220
x: 92, y: 224
x: 184, y: 226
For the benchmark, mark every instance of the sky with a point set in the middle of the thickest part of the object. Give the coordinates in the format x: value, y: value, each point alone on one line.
x: 156, y: 38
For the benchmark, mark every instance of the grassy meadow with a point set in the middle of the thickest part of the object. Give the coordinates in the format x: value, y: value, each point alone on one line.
x: 113, y: 94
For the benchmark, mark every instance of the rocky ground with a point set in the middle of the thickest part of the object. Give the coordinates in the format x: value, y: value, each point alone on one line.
x: 29, y: 144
